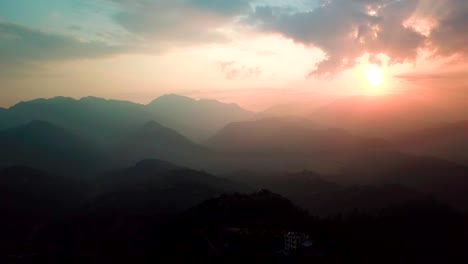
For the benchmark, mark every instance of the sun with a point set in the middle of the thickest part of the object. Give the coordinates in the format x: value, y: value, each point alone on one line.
x: 374, y: 76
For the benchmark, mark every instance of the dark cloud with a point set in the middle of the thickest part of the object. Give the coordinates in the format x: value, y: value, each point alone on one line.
x: 21, y: 44
x: 347, y: 29
x: 450, y: 36
x: 234, y: 72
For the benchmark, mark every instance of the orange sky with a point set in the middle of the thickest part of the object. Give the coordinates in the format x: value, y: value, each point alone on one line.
x: 254, y: 53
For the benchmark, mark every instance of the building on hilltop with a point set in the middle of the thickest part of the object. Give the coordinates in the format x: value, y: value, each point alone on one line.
x: 296, y: 240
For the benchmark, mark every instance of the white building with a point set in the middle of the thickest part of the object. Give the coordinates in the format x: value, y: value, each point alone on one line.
x: 294, y: 240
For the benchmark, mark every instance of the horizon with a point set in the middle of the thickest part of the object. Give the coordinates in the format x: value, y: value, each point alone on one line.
x: 255, y: 110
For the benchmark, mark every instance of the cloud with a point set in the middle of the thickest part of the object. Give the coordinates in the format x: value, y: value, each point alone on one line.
x: 450, y: 36
x: 150, y: 26
x: 440, y: 84
x: 348, y: 29
x: 179, y: 21
x: 233, y: 72
x: 21, y: 44
x: 344, y: 30
x: 427, y: 77
x: 75, y: 27
x: 415, y: 77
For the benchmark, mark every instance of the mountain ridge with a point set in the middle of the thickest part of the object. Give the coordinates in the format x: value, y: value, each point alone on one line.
x: 153, y: 140
x: 44, y: 145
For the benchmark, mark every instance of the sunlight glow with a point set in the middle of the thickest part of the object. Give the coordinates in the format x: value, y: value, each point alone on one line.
x: 374, y: 76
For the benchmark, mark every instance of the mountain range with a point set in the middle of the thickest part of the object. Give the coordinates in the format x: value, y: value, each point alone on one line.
x: 105, y: 122
x: 123, y: 133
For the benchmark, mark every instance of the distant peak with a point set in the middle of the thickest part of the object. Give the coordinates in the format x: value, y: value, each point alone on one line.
x: 92, y: 98
x: 58, y: 99
x: 216, y: 102
x: 213, y: 101
x: 61, y: 98
x: 173, y: 98
x: 55, y: 99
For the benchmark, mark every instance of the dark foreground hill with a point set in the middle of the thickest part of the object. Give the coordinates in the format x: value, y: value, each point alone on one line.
x: 30, y: 200
x: 160, y: 186
x: 60, y: 217
x: 443, y: 179
x: 323, y: 197
x: 242, y: 228
x: 160, y: 212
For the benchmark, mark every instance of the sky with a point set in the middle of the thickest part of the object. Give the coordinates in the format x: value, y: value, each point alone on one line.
x: 252, y: 52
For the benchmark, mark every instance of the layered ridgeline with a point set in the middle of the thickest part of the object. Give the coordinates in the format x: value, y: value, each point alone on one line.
x: 288, y: 135
x: 449, y: 141
x: 107, y: 121
x: 285, y: 144
x: 95, y: 120
x: 291, y: 143
x: 115, y: 126
x: 127, y: 134
x: 200, y: 118
x: 43, y: 145
x: 153, y: 140
x: 160, y: 185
